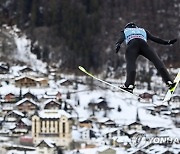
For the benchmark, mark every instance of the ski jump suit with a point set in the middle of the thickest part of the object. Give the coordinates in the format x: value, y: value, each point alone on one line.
x: 136, y: 40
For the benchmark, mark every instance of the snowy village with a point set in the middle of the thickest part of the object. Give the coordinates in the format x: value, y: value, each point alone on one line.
x: 50, y: 103
x: 47, y: 113
x: 44, y: 111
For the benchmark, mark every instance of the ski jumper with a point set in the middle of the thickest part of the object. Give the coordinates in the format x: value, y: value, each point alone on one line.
x: 136, y: 40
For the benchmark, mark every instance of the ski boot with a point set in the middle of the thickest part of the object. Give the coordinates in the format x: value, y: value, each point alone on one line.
x: 171, y: 85
x: 129, y: 88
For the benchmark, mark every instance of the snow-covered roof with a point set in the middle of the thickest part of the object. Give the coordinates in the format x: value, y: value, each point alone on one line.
x: 53, y: 114
x: 37, y: 79
x: 41, y: 79
x: 26, y: 99
x: 84, y: 120
x: 157, y: 149
x: 104, y: 148
x: 48, y: 97
x: 108, y: 130
x: 24, y: 76
x: 4, y: 131
x: 48, y: 142
x: 26, y: 67
x: 17, y: 112
x: 9, y: 126
x: 103, y: 120
x: 52, y: 92
x: 26, y: 121
x: 50, y: 100
x: 99, y: 100
x: 62, y: 81
x: 123, y: 139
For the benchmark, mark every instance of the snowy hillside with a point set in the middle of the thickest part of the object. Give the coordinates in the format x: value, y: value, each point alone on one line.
x: 23, y: 51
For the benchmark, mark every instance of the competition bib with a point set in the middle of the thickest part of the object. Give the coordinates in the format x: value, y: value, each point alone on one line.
x: 132, y: 33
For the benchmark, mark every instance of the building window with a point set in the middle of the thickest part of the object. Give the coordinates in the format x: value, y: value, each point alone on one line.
x: 64, y: 128
x: 54, y: 126
x: 45, y: 125
x: 35, y: 127
x: 58, y: 127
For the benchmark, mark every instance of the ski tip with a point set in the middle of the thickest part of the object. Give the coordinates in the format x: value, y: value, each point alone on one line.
x: 81, y: 68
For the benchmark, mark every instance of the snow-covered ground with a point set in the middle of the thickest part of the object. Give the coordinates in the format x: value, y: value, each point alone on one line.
x: 129, y: 107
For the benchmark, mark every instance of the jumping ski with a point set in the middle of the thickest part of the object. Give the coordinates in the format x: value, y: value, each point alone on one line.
x: 170, y: 92
x: 107, y: 83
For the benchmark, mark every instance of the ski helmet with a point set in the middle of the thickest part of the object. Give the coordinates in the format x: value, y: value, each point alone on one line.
x: 131, y: 25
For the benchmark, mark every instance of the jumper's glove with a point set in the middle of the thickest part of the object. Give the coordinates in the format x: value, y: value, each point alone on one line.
x: 117, y: 47
x: 170, y: 42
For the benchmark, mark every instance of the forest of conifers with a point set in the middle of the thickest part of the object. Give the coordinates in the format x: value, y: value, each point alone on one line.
x: 84, y: 32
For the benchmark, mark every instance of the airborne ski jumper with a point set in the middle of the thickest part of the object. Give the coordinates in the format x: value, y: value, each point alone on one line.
x: 136, y: 41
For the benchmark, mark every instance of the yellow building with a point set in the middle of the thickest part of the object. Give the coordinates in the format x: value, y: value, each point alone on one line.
x: 54, y: 125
